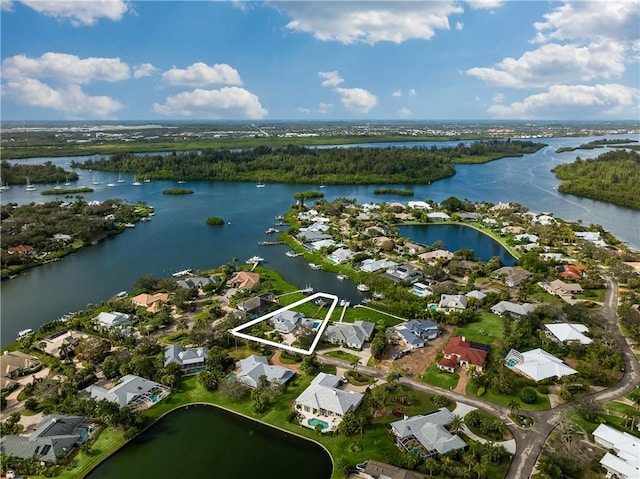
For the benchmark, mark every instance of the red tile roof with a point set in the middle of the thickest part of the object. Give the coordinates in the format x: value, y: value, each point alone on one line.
x: 571, y: 271
x: 448, y: 362
x: 463, y: 349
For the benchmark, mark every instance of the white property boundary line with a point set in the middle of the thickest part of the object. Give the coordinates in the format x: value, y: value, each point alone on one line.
x: 236, y: 331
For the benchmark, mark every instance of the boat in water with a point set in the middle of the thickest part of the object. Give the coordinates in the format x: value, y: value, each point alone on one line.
x: 341, y: 277
x: 120, y: 178
x: 25, y: 332
x: 29, y: 186
x: 136, y: 182
x: 271, y: 230
x: 255, y: 259
x: 362, y: 287
x: 314, y: 266
x: 178, y: 274
x: 293, y: 254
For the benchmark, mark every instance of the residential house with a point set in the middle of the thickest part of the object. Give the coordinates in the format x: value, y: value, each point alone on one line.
x: 114, y: 321
x: 516, y: 311
x: 373, y: 265
x: 252, y: 368
x: 198, y: 281
x: 537, y: 364
x: 7, y: 385
x: 421, y: 289
x: 512, y: 276
x: 321, y: 244
x: 424, y: 329
x: 438, y: 216
x: 591, y: 236
x: 384, y: 242
x: 151, y: 302
x: 419, y: 205
x: 466, y: 353
x: 307, y: 237
x: 405, y: 272
x: 244, y: 280
x: 53, y: 439
x: 412, y: 340
x: 341, y: 255
x: 133, y: 391
x: 23, y: 249
x: 430, y: 431
x: 412, y: 249
x: 560, y: 288
x: 479, y: 296
x: 60, y: 344
x: 453, y: 302
x: 17, y: 363
x: 323, y: 398
x: 470, y: 216
x: 433, y: 257
x: 568, y: 333
x: 191, y: 361
x: 624, y: 461
x: 571, y: 271
x: 380, y: 470
x: 258, y: 304
x: 353, y: 335
x: 287, y: 321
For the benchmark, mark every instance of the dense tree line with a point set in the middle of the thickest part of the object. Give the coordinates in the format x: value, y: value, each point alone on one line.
x: 613, y: 177
x: 17, y: 173
x: 295, y: 164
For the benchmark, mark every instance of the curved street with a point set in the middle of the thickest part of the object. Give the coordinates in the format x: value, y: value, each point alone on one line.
x: 529, y: 442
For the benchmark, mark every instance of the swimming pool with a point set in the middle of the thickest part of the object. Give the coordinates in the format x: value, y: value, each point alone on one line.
x: 511, y: 362
x: 315, y: 421
x: 315, y: 324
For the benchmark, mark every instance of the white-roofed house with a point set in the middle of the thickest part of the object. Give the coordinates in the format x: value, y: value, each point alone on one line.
x: 114, y: 321
x: 430, y: 431
x: 134, y: 391
x: 341, y: 255
x: 568, y: 333
x: 323, y: 399
x: 453, y: 302
x: 252, y: 368
x: 516, y: 311
x: 354, y: 335
x: 537, y: 364
x: 191, y: 361
x: 625, y: 463
x: 286, y: 321
x: 371, y: 265
x: 438, y: 216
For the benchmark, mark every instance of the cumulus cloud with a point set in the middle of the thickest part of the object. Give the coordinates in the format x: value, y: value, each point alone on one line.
x: 412, y: 92
x: 357, y: 100
x: 200, y: 74
x: 81, y: 13
x: 369, y: 22
x: 615, y: 20
x: 144, y: 70
x: 459, y: 25
x: 70, y: 99
x: 225, y: 103
x: 553, y: 63
x: 569, y: 102
x: 488, y: 4
x: 6, y: 6
x: 325, y: 107
x: 404, y: 111
x: 65, y: 68
x: 330, y: 78
x: 397, y: 93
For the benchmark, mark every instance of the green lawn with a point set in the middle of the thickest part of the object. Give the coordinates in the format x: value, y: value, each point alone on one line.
x: 487, y: 330
x: 620, y: 407
x: 343, y: 355
x: 107, y: 443
x: 542, y: 402
x: 443, y: 380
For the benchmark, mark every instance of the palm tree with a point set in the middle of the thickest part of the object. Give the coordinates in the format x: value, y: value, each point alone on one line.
x: 354, y: 364
x: 455, y: 426
x: 514, y: 407
x: 181, y: 324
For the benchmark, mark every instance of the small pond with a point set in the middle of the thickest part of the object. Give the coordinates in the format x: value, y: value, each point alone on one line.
x: 205, y: 441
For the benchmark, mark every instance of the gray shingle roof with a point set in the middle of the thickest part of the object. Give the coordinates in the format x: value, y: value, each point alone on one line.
x: 322, y: 394
x: 252, y: 367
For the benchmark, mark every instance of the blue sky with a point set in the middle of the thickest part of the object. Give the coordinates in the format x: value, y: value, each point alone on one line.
x: 319, y: 60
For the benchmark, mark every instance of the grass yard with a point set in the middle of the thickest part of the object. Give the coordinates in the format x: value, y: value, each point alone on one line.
x: 343, y: 355
x: 107, y: 443
x: 443, y: 380
x: 487, y: 330
x: 541, y: 403
x: 620, y: 408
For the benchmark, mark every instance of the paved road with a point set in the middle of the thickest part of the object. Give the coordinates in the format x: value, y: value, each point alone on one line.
x: 529, y: 442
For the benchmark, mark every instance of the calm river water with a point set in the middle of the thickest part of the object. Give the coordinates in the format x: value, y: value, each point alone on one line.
x: 204, y: 441
x: 178, y: 238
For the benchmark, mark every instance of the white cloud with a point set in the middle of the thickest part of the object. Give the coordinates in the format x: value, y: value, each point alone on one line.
x: 404, y: 111
x: 412, y: 92
x: 144, y: 70
x: 71, y: 99
x: 369, y: 22
x: 201, y: 74
x: 616, y: 20
x: 459, y: 25
x: 488, y: 4
x: 357, y: 100
x: 325, y: 107
x: 306, y: 111
x: 65, y: 68
x: 81, y: 12
x: 225, y: 103
x: 498, y: 98
x: 6, y: 6
x: 553, y: 63
x: 572, y: 102
x: 397, y: 93
x: 330, y: 78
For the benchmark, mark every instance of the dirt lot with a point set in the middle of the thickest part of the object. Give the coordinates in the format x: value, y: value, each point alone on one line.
x: 417, y: 361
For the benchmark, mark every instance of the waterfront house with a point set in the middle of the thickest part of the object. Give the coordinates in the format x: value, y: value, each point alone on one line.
x: 258, y: 304
x: 372, y: 265
x: 22, y: 249
x: 512, y: 276
x: 151, y: 302
x: 568, y: 333
x: 453, y: 302
x: 537, y: 364
x: 252, y: 368
x: 323, y: 398
x: 53, y: 439
x: 465, y: 353
x: 191, y: 361
x: 469, y: 216
x: 114, y: 321
x: 380, y: 470
x: 60, y: 344
x: 134, y: 391
x: 405, y: 272
x: 17, y: 363
x: 622, y: 460
x: 198, y: 281
x: 244, y: 280
x: 287, y: 321
x: 353, y: 335
x: 419, y: 205
x: 438, y: 216
x: 428, y: 431
x: 514, y: 310
x: 319, y: 245
x: 341, y: 255
x: 591, y: 236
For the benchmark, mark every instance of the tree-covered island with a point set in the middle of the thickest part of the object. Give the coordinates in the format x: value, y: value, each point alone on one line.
x: 297, y: 164
x: 21, y: 174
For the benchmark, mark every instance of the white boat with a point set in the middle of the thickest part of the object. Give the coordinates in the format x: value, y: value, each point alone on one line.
x: 341, y: 277
x: 129, y: 225
x: 136, y: 182
x: 25, y: 332
x: 121, y: 294
x: 314, y: 266
x: 111, y: 183
x: 67, y: 183
x: 271, y: 230
x: 29, y: 186
x: 146, y: 179
x: 260, y: 184
x: 57, y: 187
x: 362, y: 287
x: 184, y: 272
x: 95, y: 180
x: 4, y: 187
x: 293, y: 254
x: 181, y: 181
x: 255, y: 259
x: 120, y: 178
